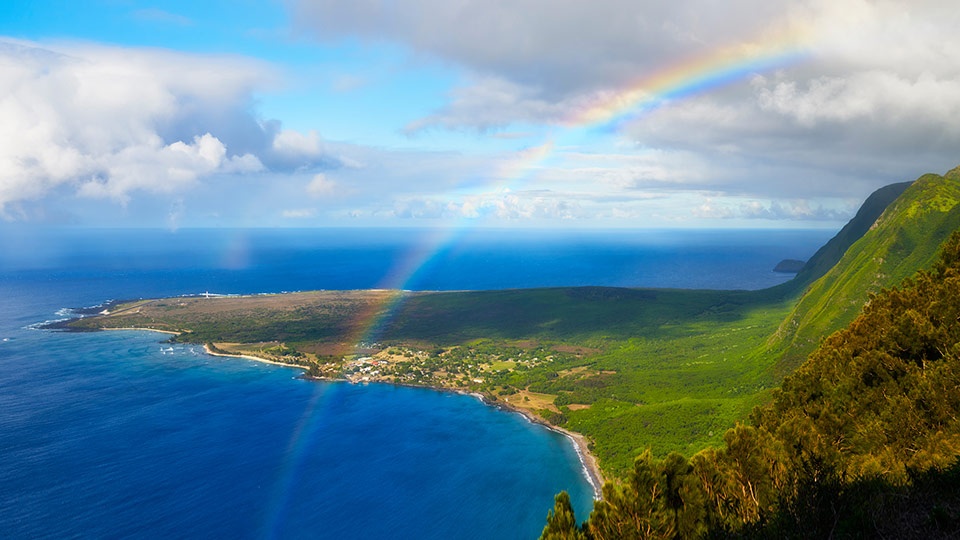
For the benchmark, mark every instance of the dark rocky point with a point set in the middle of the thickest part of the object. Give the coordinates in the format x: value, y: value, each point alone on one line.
x: 789, y: 266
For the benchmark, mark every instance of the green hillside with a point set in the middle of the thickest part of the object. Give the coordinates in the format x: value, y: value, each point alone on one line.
x: 830, y: 254
x: 902, y: 240
x: 861, y: 441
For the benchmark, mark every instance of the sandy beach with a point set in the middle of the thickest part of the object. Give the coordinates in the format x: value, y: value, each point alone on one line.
x: 587, y: 460
x: 144, y: 330
x: 206, y: 348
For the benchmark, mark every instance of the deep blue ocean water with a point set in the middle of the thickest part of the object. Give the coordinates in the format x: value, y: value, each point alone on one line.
x: 115, y: 434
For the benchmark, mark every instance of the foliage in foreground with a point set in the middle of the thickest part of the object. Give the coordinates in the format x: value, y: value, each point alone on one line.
x: 861, y: 441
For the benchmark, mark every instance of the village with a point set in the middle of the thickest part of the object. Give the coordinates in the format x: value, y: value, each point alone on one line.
x: 479, y: 367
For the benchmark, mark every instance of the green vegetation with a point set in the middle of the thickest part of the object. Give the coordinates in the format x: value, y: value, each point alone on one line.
x: 830, y: 254
x: 631, y: 369
x: 861, y: 441
x: 626, y: 367
x: 905, y: 238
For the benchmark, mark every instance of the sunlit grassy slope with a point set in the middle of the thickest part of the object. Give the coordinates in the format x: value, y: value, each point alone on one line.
x: 904, y: 239
x: 629, y: 368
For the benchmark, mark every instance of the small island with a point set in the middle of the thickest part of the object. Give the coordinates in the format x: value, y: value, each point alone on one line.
x: 789, y: 266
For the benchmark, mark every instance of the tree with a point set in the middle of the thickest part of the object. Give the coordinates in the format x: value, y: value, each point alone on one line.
x: 684, y: 497
x: 561, y: 522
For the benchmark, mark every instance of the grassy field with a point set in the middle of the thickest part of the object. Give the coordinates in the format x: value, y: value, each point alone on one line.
x: 629, y: 368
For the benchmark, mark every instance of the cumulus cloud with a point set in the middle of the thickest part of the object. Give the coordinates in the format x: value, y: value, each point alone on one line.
x: 555, y: 46
x: 298, y: 213
x: 868, y: 100
x: 321, y: 186
x: 775, y: 210
x: 294, y: 151
x: 509, y: 206
x: 108, y: 122
x: 165, y: 169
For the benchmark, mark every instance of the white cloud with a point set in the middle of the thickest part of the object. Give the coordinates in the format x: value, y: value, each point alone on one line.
x: 545, y: 44
x: 500, y: 207
x: 295, y: 151
x: 771, y: 210
x: 299, y: 213
x: 879, y: 97
x: 166, y: 169
x: 867, y: 101
x: 321, y: 186
x: 160, y: 16
x: 108, y: 122
x: 294, y: 143
x: 490, y: 103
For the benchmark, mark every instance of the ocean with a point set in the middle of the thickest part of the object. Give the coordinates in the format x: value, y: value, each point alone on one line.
x: 118, y: 434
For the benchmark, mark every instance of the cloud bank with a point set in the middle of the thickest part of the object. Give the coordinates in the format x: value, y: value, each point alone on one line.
x: 106, y: 122
x: 866, y: 100
x: 625, y: 112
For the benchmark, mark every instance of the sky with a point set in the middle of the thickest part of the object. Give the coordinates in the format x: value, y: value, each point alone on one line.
x: 486, y: 113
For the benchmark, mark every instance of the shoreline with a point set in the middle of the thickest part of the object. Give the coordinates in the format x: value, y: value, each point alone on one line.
x: 131, y: 328
x: 206, y: 349
x: 588, y: 462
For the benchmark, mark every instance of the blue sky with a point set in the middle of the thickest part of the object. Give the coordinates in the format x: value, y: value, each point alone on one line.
x: 613, y: 113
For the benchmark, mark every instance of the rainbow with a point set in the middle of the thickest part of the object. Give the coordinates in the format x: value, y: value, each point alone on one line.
x: 293, y: 459
x: 370, y: 325
x: 692, y: 77
x: 614, y: 109
x: 522, y: 164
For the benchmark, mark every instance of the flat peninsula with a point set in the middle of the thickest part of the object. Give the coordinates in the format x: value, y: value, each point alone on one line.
x: 556, y: 355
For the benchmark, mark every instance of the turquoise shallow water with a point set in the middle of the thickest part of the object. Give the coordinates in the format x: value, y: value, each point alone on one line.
x: 117, y: 434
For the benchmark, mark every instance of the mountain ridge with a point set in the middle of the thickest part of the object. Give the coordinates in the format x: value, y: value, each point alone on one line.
x: 902, y: 239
